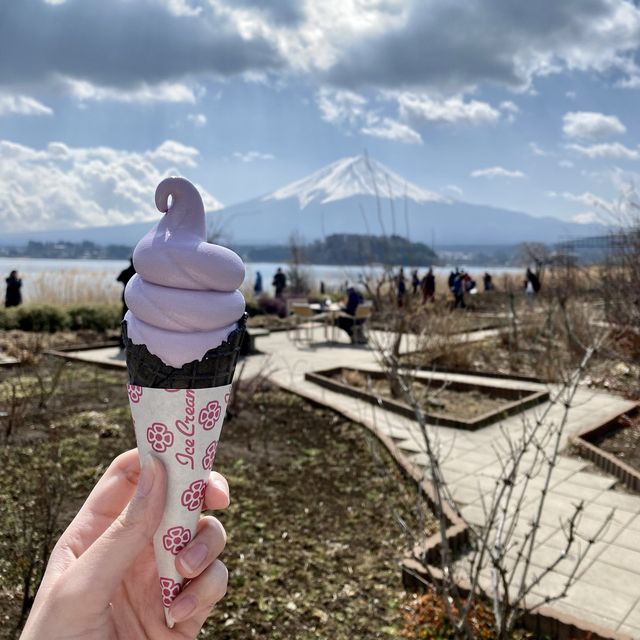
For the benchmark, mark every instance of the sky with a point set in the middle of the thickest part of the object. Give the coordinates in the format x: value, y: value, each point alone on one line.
x: 530, y: 106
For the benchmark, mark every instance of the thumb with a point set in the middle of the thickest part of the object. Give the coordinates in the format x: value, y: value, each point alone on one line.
x: 100, y: 570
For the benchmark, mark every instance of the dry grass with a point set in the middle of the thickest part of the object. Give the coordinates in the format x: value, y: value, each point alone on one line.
x: 73, y: 286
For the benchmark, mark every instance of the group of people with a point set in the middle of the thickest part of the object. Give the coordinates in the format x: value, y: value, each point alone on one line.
x: 426, y: 286
x: 279, y: 283
x: 459, y: 282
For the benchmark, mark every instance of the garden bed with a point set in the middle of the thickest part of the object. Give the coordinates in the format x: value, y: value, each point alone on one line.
x: 301, y: 566
x: 445, y: 402
x: 615, y: 448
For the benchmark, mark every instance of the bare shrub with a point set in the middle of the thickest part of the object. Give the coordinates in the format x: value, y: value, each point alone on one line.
x: 498, y: 567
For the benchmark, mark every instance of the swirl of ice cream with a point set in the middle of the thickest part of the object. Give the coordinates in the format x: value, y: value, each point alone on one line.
x: 184, y: 298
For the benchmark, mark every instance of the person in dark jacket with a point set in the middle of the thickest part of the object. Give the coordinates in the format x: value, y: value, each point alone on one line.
x: 458, y: 291
x: 124, y: 277
x: 257, y: 287
x: 401, y: 287
x: 428, y: 286
x: 415, y: 282
x: 534, y: 280
x: 13, y: 296
x: 279, y: 282
x: 347, y: 322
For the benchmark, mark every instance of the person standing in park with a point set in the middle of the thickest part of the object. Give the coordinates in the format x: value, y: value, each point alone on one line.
x: 124, y: 277
x: 13, y: 296
x: 279, y: 282
x: 428, y: 286
x: 415, y: 282
x: 257, y: 287
x: 401, y: 286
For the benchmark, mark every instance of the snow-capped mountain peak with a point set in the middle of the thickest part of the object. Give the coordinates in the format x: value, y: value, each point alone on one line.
x: 349, y: 177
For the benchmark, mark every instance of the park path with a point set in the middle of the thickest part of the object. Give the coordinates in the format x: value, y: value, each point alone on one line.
x: 606, y: 592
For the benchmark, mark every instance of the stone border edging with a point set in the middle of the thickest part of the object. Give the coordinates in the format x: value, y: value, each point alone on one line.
x: 605, y: 460
x: 531, y: 399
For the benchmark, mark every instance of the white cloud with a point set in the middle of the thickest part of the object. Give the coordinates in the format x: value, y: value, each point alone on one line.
x: 340, y: 107
x: 59, y: 187
x: 496, y: 172
x: 11, y: 104
x: 587, y: 198
x: 252, y: 156
x: 352, y: 112
x: 454, y: 188
x: 509, y: 110
x: 197, y: 119
x: 143, y: 94
x: 566, y: 164
x: 175, y: 152
x: 589, y: 125
x: 538, y: 151
x: 586, y: 217
x: 605, y: 150
x: 390, y: 129
x: 450, y: 110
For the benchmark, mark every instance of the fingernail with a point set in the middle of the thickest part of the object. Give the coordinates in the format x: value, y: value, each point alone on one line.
x: 222, y: 485
x: 147, y: 476
x: 192, y: 557
x: 182, y: 608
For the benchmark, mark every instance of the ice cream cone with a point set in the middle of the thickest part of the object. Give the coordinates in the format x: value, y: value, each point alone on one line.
x: 182, y: 340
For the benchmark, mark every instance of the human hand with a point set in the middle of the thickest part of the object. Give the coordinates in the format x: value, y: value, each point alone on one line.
x: 101, y: 582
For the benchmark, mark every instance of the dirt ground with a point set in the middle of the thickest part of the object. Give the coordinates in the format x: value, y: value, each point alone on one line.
x: 436, y: 399
x: 314, y: 537
x: 624, y: 442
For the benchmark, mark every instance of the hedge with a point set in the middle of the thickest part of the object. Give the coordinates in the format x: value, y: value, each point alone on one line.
x: 51, y: 318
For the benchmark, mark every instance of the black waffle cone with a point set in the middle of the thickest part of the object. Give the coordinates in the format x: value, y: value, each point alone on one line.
x: 215, y: 369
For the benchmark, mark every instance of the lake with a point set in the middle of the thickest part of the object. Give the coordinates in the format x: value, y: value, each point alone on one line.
x: 49, y: 280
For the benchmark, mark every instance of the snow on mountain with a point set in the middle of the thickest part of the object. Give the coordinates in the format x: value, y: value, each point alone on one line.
x: 348, y: 177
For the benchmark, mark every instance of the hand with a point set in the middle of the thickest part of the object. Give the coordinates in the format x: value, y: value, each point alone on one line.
x: 101, y: 582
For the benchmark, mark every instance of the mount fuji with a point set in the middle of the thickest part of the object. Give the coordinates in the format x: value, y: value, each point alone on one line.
x: 361, y: 195
x: 352, y: 195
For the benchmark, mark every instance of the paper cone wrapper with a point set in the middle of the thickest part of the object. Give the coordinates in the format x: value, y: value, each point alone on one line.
x: 181, y: 428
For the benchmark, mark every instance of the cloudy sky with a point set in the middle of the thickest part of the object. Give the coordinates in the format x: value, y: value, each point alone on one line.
x: 526, y: 105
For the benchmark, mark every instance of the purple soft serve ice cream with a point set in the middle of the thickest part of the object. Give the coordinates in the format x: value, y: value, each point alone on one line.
x: 184, y: 299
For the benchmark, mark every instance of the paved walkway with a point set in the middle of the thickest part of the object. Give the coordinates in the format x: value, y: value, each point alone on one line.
x: 607, y: 590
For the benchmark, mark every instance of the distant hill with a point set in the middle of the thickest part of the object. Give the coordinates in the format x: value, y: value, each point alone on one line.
x: 352, y: 196
x: 347, y: 249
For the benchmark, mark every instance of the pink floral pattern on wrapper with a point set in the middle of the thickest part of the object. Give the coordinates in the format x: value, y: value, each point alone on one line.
x: 170, y: 590
x: 193, y: 495
x: 209, y: 455
x: 135, y: 393
x: 210, y: 415
x: 176, y: 539
x: 159, y: 437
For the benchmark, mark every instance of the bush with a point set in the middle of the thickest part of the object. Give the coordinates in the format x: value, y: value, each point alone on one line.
x: 99, y: 317
x: 8, y: 319
x: 46, y: 318
x: 273, y: 306
x: 51, y: 318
